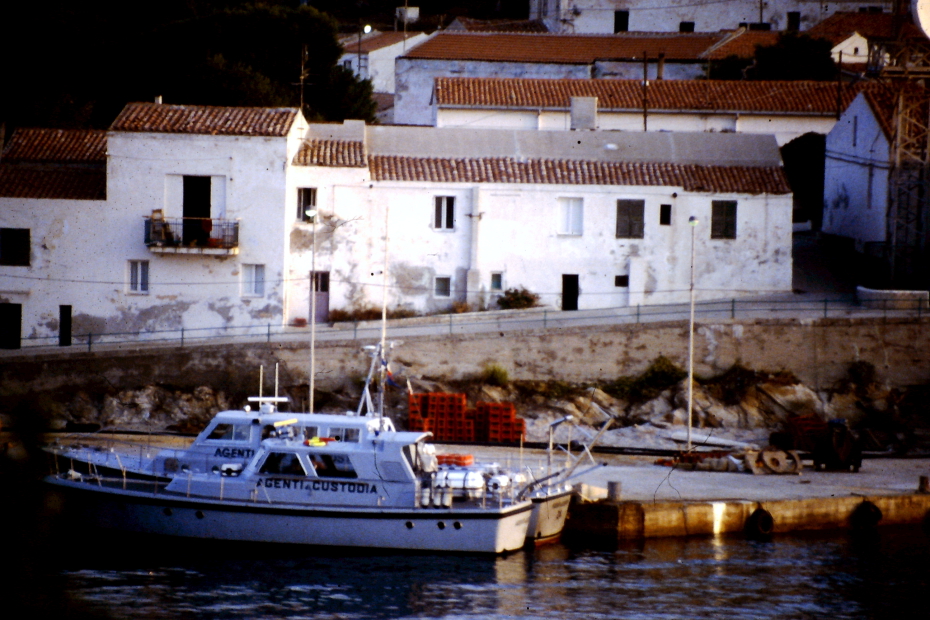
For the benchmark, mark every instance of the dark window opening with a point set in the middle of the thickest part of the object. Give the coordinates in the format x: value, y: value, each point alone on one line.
x: 15, y: 247
x: 631, y: 219
x: 686, y: 27
x: 621, y: 21
x: 306, y: 201
x: 444, y: 215
x: 622, y: 281
x: 665, y: 215
x: 321, y: 281
x: 794, y: 21
x: 723, y: 219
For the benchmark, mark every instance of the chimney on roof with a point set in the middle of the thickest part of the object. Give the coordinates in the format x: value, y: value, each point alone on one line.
x: 158, y: 99
x: 660, y: 68
x: 584, y: 113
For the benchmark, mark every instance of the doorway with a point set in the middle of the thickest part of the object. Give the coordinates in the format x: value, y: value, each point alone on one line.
x: 320, y: 291
x: 64, y: 326
x: 11, y: 325
x: 196, y: 204
x: 570, y: 291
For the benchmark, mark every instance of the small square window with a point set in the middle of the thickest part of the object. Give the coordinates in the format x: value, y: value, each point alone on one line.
x: 665, y: 215
x: 253, y: 280
x: 306, y: 201
x: 14, y: 247
x: 622, y: 281
x: 685, y: 26
x: 443, y: 287
x: 138, y: 276
x: 444, y: 213
x: 497, y: 281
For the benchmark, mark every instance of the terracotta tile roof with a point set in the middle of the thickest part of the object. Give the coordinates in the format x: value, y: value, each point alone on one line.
x: 335, y: 153
x: 840, y: 26
x: 800, y: 97
x: 563, y: 49
x: 374, y: 42
x: 718, y: 179
x: 207, y: 120
x: 742, y: 43
x: 56, y: 145
x: 497, y: 25
x: 55, y: 182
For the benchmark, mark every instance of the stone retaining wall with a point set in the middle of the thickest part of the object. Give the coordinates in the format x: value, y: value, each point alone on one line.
x: 817, y: 351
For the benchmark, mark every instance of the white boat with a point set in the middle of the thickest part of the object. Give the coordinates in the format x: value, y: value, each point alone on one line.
x: 357, y: 482
x: 373, y: 488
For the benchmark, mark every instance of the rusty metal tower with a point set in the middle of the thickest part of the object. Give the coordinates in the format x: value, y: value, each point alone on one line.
x: 903, y: 64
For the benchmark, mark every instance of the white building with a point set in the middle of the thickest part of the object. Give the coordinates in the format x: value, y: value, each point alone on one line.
x: 786, y: 110
x: 605, y: 16
x: 856, y: 179
x: 371, y: 56
x: 188, y: 234
x: 216, y: 220
x: 585, y: 219
x: 547, y: 56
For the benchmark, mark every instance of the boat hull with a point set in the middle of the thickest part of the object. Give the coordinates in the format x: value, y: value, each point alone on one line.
x: 548, y: 517
x: 469, y: 530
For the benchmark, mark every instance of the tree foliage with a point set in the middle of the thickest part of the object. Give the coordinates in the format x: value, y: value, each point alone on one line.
x: 793, y: 57
x: 77, y: 64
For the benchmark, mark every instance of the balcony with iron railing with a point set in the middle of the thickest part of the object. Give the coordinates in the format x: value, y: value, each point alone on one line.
x: 191, y: 235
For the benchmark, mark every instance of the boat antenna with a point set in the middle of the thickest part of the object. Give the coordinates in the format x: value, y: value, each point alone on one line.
x: 261, y: 379
x: 276, y: 380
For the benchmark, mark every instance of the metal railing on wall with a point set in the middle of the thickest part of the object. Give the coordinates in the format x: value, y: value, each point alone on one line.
x: 500, y: 321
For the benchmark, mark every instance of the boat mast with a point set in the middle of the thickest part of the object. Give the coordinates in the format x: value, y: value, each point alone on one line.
x: 383, y: 358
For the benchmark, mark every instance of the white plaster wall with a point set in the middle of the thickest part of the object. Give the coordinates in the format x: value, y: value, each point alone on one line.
x: 381, y: 62
x: 597, y: 16
x: 66, y: 262
x: 633, y: 70
x: 785, y: 128
x: 414, y: 81
x: 855, y: 49
x: 856, y: 176
x: 193, y: 291
x: 518, y: 235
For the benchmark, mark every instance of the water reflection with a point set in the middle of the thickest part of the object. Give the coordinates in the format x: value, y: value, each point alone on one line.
x: 814, y: 576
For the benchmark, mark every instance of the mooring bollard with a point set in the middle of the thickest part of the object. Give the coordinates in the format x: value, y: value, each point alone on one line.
x: 923, y: 485
x: 613, y: 491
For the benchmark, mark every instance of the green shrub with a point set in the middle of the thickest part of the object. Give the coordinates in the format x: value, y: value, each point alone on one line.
x: 517, y: 299
x: 661, y: 375
x: 495, y: 374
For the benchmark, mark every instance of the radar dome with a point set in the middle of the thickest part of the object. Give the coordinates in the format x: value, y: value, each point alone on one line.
x: 920, y: 10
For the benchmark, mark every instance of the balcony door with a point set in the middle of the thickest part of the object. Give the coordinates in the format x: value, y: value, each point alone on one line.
x: 196, y: 204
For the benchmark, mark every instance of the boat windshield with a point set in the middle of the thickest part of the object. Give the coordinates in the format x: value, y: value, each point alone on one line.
x: 282, y: 463
x: 229, y: 432
x: 332, y: 465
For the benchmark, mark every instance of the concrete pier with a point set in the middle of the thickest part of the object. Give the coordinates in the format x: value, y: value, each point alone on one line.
x: 652, y: 501
x: 662, y: 501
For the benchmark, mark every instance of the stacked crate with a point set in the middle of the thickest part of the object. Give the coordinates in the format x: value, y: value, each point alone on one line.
x: 446, y: 416
x: 498, y: 423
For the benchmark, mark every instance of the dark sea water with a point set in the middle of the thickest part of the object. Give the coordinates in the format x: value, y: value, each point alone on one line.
x: 883, y: 574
